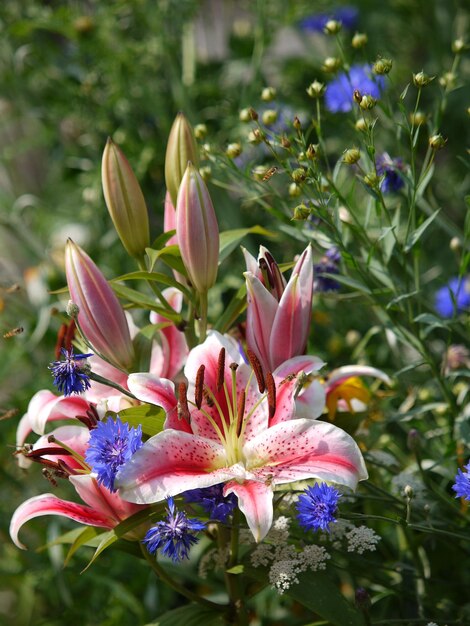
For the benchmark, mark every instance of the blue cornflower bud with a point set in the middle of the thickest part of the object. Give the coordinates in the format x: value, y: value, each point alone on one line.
x: 112, y: 443
x: 453, y: 298
x: 212, y: 500
x: 71, y: 375
x: 173, y: 536
x: 462, y: 483
x: 317, y: 507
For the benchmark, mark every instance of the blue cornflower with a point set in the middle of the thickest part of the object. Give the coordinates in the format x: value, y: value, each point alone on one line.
x: 213, y: 501
x: 173, y: 536
x: 390, y: 170
x: 329, y: 264
x: 317, y: 507
x: 462, y: 483
x: 316, y: 23
x: 112, y: 443
x: 339, y: 92
x: 453, y: 298
x: 70, y: 376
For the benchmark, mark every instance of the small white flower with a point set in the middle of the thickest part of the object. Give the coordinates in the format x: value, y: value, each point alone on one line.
x: 362, y: 539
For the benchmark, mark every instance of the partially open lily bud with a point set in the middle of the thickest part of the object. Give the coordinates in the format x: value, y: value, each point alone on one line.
x: 125, y: 201
x: 180, y: 149
x: 197, y: 230
x: 100, y: 314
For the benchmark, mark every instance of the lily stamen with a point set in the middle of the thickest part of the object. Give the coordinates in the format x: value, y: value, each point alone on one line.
x: 199, y: 386
x: 257, y: 369
x: 271, y: 388
x: 75, y: 455
x: 220, y: 370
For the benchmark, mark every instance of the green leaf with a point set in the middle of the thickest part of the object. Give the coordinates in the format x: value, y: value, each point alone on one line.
x: 142, y: 301
x: 107, y: 540
x: 86, y: 534
x: 151, y: 417
x: 170, y: 255
x: 162, y: 239
x: 237, y: 569
x: 190, y: 615
x: 416, y: 235
x: 350, y: 282
x: 229, y: 239
x: 158, y: 277
x: 235, y: 307
x: 317, y: 592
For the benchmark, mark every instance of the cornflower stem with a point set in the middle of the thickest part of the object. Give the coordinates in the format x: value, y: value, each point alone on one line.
x: 239, y: 615
x: 109, y: 383
x: 171, y: 582
x: 202, y: 316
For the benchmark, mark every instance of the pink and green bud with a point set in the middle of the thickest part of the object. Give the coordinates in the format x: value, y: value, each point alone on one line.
x: 125, y: 201
x: 197, y: 230
x: 180, y: 149
x: 100, y: 317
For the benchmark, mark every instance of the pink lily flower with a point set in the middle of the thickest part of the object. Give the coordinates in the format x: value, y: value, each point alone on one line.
x: 239, y: 430
x: 102, y: 508
x: 278, y: 313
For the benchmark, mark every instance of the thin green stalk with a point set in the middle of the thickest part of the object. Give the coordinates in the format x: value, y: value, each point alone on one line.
x: 202, y: 316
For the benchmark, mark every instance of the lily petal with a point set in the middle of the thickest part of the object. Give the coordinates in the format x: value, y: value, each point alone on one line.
x: 255, y: 500
x: 303, y: 448
x: 168, y: 464
x: 348, y: 371
x: 260, y: 316
x: 48, y: 504
x: 310, y: 403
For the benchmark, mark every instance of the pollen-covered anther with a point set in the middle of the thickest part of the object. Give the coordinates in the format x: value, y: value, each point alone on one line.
x: 91, y: 417
x: 271, y: 389
x: 183, y: 409
x: 220, y: 370
x: 257, y: 369
x: 233, y: 367
x: 240, y: 411
x: 199, y: 386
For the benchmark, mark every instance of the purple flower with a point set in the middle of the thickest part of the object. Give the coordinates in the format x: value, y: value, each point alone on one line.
x: 317, y: 507
x: 213, y: 501
x: 348, y: 16
x: 339, y: 92
x: 112, y: 443
x: 173, y: 536
x: 462, y: 483
x: 329, y: 264
x: 454, y: 298
x: 70, y: 376
x: 390, y: 170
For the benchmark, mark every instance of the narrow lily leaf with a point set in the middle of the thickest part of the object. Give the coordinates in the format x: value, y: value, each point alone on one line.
x: 229, y: 239
x: 140, y: 300
x: 127, y: 525
x: 170, y: 255
x: 86, y: 534
x: 418, y: 233
x: 237, y: 569
x: 158, y: 277
x: 190, y: 615
x: 161, y: 240
x: 107, y: 540
x: 351, y: 282
x: 150, y: 417
x: 235, y: 308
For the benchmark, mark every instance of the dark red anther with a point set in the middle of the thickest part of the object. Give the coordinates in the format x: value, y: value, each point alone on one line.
x: 55, y: 451
x: 199, y: 387
x: 257, y: 369
x: 64, y: 469
x: 91, y: 417
x: 277, y: 282
x: 220, y: 370
x: 60, y: 340
x: 183, y: 409
x: 240, y: 412
x: 271, y: 388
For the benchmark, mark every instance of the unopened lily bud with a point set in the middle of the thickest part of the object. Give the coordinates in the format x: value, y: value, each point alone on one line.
x: 458, y: 46
x: 367, y: 102
x: 316, y: 89
x: 351, y: 156
x: 101, y: 316
x: 301, y: 212
x: 332, y: 27
x: 294, y: 190
x: 437, y: 142
x: 233, y: 150
x: 198, y: 231
x: 359, y: 41
x: 269, y: 117
x: 382, y: 66
x: 298, y: 175
x: 331, y: 65
x: 125, y: 201
x: 200, y: 131
x: 418, y: 119
x: 268, y: 94
x: 421, y: 79
x: 180, y: 149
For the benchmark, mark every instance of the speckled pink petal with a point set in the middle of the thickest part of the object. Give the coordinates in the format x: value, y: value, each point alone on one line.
x: 303, y: 448
x: 161, y: 392
x: 49, y: 407
x: 260, y: 315
x: 255, y: 500
x: 48, y: 504
x: 170, y: 463
x: 285, y: 378
x: 100, y: 499
x: 311, y: 400
x: 75, y: 437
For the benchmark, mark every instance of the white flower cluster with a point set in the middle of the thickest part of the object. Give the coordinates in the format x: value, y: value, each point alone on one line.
x: 362, y: 539
x: 286, y: 562
x: 213, y: 559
